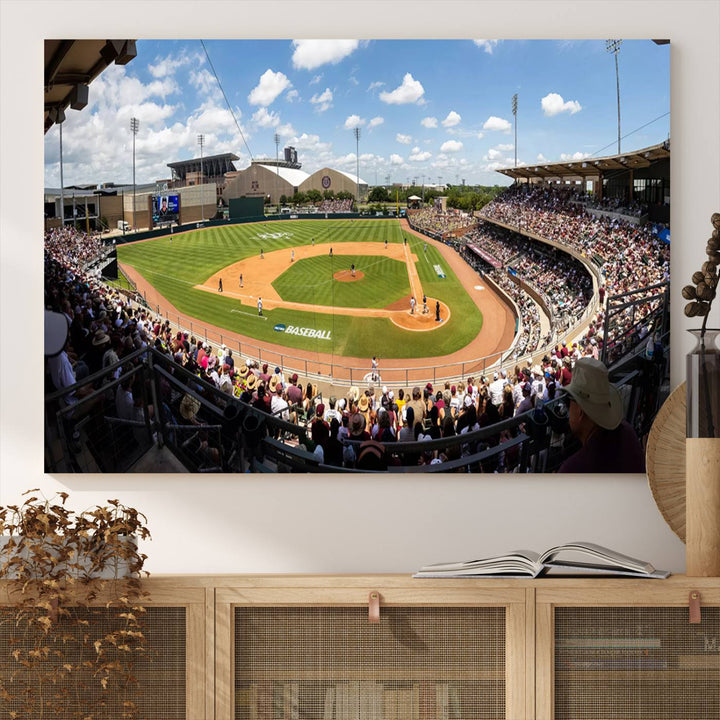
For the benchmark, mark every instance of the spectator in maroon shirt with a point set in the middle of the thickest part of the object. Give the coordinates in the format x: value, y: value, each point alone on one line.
x: 294, y: 393
x: 566, y: 372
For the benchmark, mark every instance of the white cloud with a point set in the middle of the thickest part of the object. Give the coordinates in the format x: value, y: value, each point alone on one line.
x: 203, y: 81
x: 95, y: 150
x: 346, y: 159
x: 375, y: 122
x: 375, y: 85
x: 451, y: 146
x: 418, y: 155
x: 496, y: 123
x: 270, y: 86
x: 286, y: 130
x: 396, y: 159
x: 212, y: 119
x: 429, y: 122
x: 480, y: 135
x: 486, y: 45
x: 494, y: 155
x: 553, y: 104
x: 505, y: 147
x: 541, y: 158
x: 309, y: 54
x: 451, y: 120
x: 162, y: 67
x: 309, y: 143
x: 323, y: 101
x: 316, y: 79
x: 292, y: 95
x: 411, y: 91
x: 575, y: 156
x: 266, y: 119
x: 354, y: 121
x: 404, y: 139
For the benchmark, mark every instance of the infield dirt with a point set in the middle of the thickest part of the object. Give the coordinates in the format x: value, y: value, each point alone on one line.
x: 495, y: 336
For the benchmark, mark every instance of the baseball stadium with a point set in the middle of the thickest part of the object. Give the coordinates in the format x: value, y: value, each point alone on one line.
x: 325, y: 337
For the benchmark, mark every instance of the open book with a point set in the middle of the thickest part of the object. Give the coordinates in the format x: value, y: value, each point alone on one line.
x: 575, y: 558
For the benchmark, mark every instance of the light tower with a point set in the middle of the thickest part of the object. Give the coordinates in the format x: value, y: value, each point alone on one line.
x: 134, y: 127
x: 201, y: 142
x: 613, y: 46
x: 62, y: 181
x: 277, y: 163
x: 357, y: 162
x: 514, y: 112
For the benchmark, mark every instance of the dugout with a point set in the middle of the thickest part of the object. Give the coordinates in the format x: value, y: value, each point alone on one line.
x: 246, y: 207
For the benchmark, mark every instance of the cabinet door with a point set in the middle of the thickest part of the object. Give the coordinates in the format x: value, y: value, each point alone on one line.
x: 327, y: 661
x: 57, y: 672
x: 628, y: 661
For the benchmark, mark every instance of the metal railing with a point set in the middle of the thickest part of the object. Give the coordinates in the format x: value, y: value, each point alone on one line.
x: 207, y: 430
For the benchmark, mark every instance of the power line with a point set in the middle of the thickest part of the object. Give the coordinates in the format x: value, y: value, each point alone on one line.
x: 659, y: 117
x: 237, y: 124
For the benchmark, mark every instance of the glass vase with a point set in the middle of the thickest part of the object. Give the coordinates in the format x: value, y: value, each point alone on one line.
x: 703, y: 386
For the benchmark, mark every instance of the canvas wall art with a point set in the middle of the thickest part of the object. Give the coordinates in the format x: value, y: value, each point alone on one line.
x: 354, y: 255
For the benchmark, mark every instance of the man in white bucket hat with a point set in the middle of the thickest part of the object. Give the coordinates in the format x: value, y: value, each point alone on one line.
x: 609, y: 443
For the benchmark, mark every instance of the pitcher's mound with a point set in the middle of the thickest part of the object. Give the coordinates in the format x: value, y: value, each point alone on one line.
x: 347, y: 276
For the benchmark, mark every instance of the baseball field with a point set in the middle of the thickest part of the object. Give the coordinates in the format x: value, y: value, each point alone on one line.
x: 340, y: 287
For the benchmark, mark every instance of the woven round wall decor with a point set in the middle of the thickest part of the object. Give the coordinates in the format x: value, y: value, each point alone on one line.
x: 665, y: 460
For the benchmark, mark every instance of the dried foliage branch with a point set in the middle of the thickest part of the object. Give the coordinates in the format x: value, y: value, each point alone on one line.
x: 71, y: 611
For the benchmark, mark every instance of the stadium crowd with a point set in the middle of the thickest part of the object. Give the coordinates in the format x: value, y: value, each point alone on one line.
x: 359, y: 428
x: 629, y: 208
x: 356, y: 430
x: 630, y: 257
x: 335, y: 206
x: 438, y: 223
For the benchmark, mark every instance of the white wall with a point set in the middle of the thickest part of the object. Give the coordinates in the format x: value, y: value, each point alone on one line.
x: 339, y: 524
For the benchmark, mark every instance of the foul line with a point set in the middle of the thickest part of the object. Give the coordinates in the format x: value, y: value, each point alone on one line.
x: 242, y: 312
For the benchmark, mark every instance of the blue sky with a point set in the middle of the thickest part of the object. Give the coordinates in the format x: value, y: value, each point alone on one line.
x: 438, y: 110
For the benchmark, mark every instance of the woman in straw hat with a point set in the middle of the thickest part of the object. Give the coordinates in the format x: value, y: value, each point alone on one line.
x: 595, y: 413
x: 189, y: 407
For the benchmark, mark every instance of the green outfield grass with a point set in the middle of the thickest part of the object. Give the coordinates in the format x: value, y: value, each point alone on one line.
x: 174, y: 264
x: 312, y: 281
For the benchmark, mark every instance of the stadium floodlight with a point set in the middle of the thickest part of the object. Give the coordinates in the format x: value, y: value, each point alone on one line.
x: 201, y: 142
x: 613, y: 46
x: 62, y: 183
x: 514, y: 112
x: 134, y: 127
x: 357, y: 162
x: 277, y: 162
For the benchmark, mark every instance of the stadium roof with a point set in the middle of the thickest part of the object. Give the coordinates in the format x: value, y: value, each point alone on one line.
x: 71, y: 65
x: 354, y: 178
x: 212, y: 165
x: 291, y: 175
x: 590, y: 167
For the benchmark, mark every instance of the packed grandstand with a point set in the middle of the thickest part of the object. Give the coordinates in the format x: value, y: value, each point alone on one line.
x: 129, y: 378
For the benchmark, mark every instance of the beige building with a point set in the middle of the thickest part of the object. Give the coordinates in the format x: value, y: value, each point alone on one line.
x: 335, y: 180
x: 262, y: 180
x: 265, y: 178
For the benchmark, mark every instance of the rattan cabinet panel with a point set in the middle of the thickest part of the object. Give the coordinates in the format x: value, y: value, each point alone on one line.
x: 431, y: 656
x: 611, y: 653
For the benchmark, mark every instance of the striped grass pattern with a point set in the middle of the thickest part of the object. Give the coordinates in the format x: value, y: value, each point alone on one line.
x: 175, y: 264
